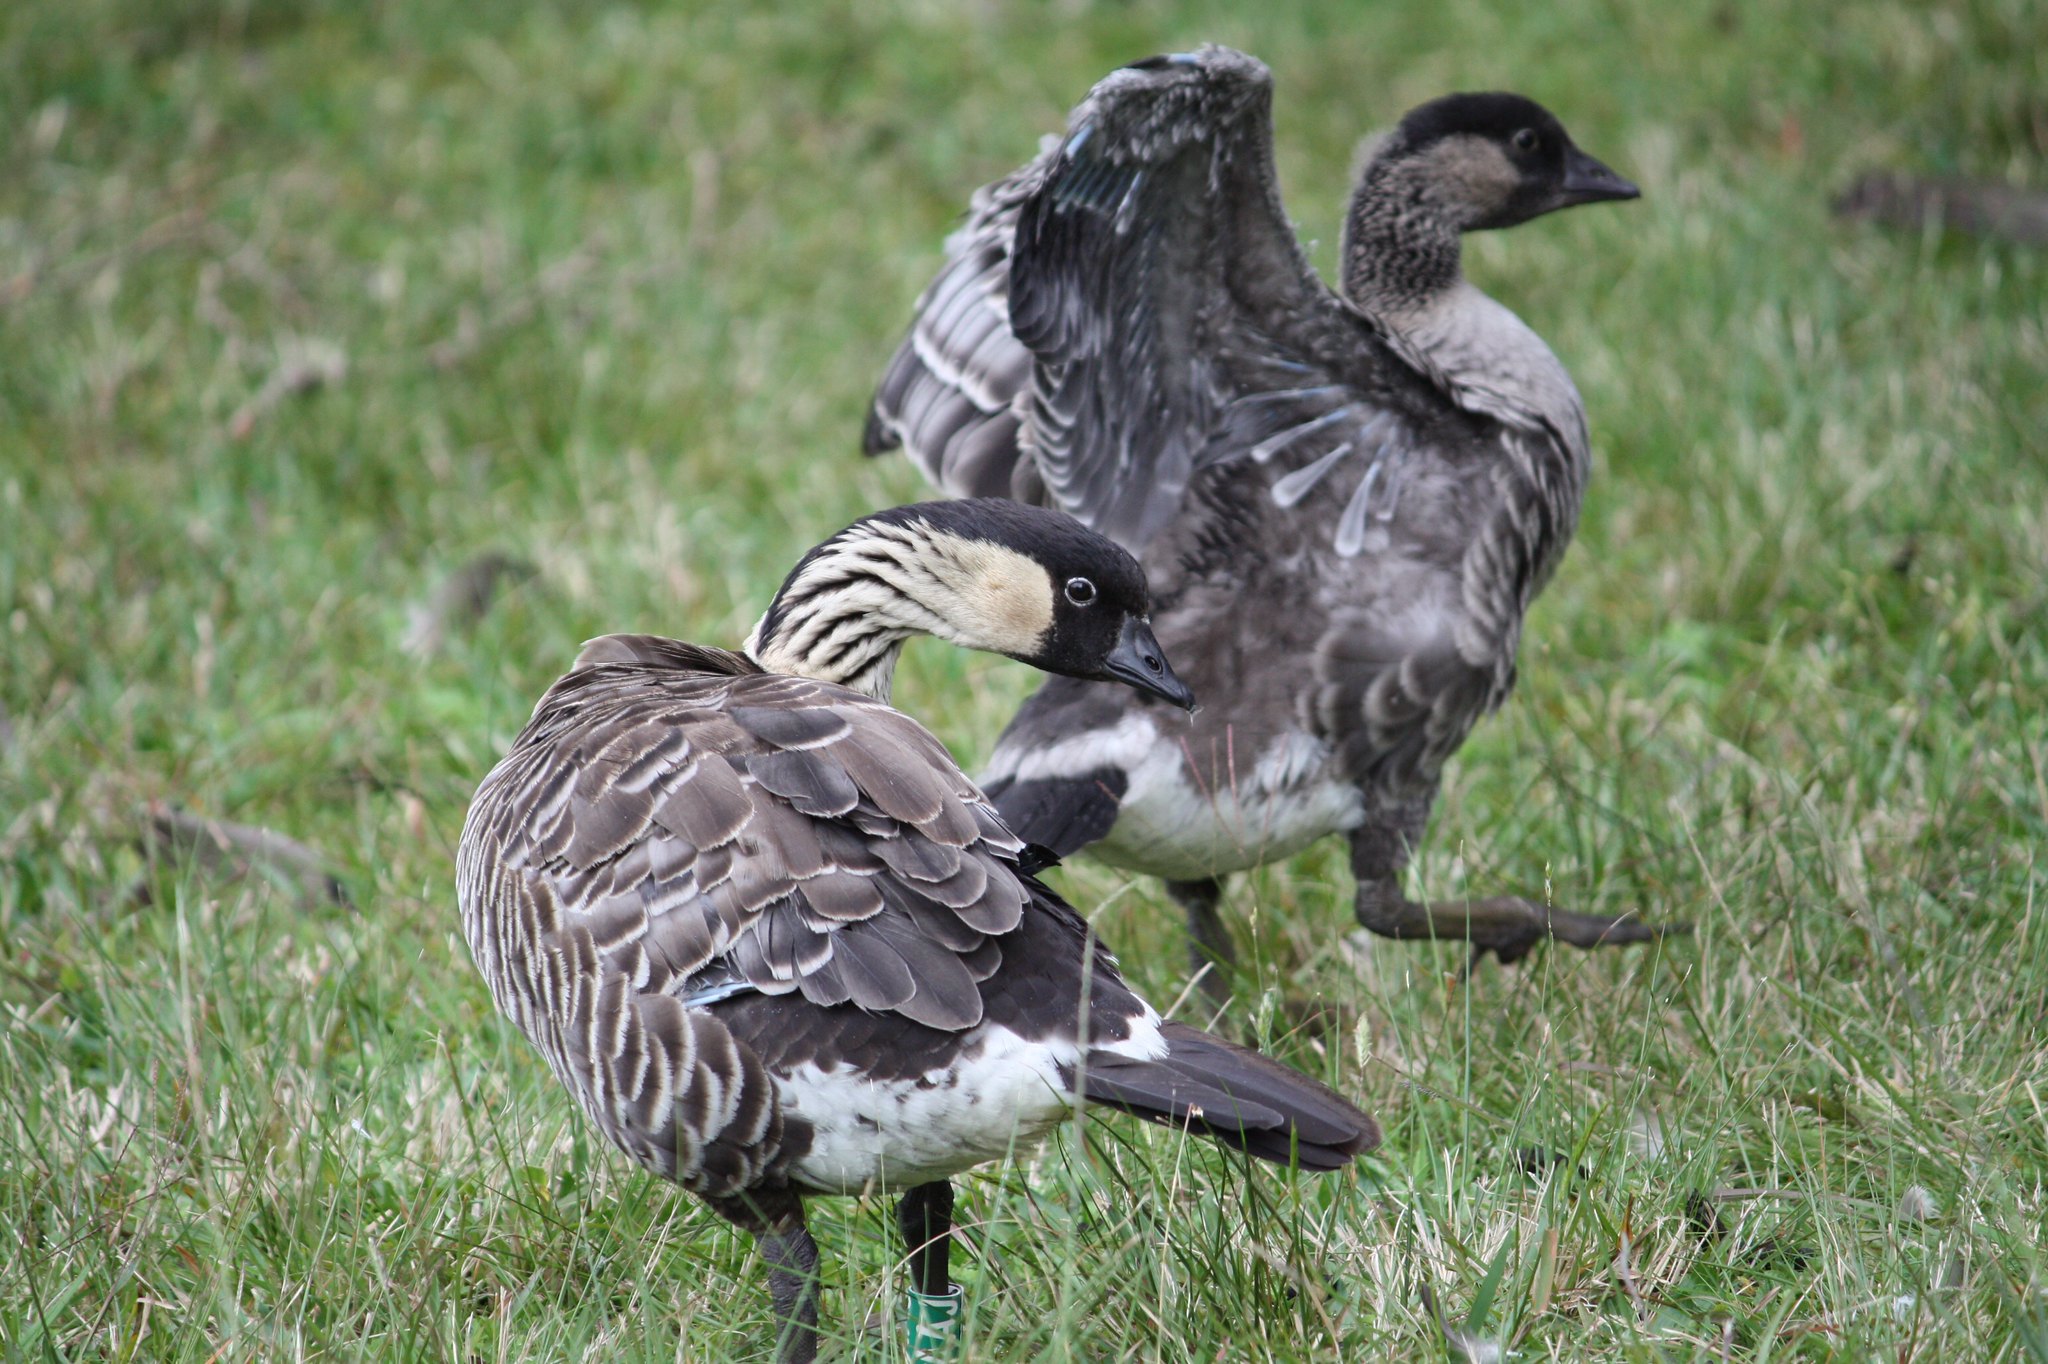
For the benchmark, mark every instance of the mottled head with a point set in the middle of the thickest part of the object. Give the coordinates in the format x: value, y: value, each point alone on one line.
x: 985, y: 573
x: 1495, y: 160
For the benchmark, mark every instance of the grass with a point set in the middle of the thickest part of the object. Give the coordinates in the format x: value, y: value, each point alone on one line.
x: 606, y: 290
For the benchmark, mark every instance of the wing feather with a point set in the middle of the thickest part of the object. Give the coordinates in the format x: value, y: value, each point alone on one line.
x: 806, y: 837
x: 658, y: 892
x: 1133, y: 307
x: 946, y: 397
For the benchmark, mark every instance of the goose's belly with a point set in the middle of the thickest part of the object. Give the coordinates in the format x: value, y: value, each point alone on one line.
x: 1173, y: 825
x: 999, y: 1094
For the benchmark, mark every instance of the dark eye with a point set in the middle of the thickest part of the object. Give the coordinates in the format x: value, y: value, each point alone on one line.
x: 1080, y: 591
x: 1526, y: 139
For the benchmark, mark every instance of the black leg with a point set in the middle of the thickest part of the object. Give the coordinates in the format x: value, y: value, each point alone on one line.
x: 776, y: 1218
x: 792, y: 1258
x: 1505, y: 925
x: 1212, y: 955
x: 925, y: 1217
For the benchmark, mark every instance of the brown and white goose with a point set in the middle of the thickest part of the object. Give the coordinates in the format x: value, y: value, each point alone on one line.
x: 1345, y: 500
x: 777, y: 944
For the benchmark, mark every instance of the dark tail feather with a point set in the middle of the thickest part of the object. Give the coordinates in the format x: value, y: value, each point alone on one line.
x: 1240, y: 1098
x: 1064, y: 814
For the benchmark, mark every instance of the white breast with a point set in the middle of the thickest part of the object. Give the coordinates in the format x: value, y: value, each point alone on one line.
x: 1175, y: 826
x: 1000, y: 1094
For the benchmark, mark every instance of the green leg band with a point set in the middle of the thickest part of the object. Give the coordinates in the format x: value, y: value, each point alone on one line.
x: 931, y: 1326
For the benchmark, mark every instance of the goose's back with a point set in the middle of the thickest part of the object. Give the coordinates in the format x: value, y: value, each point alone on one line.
x: 765, y: 930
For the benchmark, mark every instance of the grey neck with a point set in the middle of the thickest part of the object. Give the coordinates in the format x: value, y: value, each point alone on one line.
x: 1401, y: 268
x: 1401, y: 251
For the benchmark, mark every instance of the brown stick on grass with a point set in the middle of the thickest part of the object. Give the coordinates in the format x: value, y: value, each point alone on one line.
x: 1982, y: 208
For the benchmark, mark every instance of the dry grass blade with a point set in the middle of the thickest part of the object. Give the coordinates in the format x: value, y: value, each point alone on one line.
x: 472, y: 333
x: 559, y: 279
x: 183, y: 225
x: 303, y: 365
x: 1466, y: 1345
x: 1624, y: 1264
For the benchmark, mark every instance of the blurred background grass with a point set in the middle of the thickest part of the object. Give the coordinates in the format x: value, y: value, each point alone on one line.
x: 305, y: 306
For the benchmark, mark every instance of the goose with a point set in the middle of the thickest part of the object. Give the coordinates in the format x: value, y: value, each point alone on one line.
x: 1345, y: 500
x: 777, y: 944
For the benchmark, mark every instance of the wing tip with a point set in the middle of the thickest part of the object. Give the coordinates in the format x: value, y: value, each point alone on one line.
x: 1208, y: 58
x: 880, y: 435
x: 1059, y: 816
x: 1210, y: 64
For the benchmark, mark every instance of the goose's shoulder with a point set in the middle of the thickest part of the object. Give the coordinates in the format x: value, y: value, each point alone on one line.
x: 648, y: 686
x: 659, y: 651
x: 756, y: 831
x: 1487, y: 361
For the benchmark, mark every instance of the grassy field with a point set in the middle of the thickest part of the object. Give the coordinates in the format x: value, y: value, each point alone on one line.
x: 306, y: 305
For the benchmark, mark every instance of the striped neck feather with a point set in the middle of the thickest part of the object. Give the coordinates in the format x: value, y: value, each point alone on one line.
x: 844, y: 614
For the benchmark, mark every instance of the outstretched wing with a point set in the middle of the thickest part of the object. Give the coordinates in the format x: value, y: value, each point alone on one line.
x: 948, y: 397
x: 1153, y: 242
x: 1133, y: 307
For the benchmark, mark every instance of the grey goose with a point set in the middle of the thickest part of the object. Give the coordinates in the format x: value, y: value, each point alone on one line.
x: 777, y: 944
x: 1345, y: 499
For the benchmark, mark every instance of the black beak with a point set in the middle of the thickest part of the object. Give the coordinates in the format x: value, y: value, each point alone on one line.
x: 1138, y: 661
x: 1586, y: 181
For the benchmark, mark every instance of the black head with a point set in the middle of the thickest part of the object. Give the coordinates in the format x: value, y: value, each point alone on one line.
x: 990, y: 574
x: 1501, y: 159
x: 1094, y: 619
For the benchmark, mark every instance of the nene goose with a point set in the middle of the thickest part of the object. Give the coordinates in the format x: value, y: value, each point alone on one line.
x: 1345, y: 502
x: 777, y: 944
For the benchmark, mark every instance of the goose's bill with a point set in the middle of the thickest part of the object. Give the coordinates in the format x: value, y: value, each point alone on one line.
x: 1138, y: 661
x: 1587, y: 181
